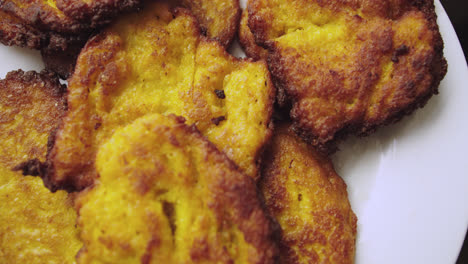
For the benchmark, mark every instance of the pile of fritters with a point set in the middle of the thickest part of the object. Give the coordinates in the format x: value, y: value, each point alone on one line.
x: 165, y: 148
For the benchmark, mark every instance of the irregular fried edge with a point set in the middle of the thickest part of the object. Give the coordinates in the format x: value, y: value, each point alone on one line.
x: 48, y: 170
x: 247, y: 40
x: 49, y: 82
x: 438, y: 71
x: 227, y: 35
x: 96, y: 13
x: 44, y: 17
x: 59, y: 52
x: 14, y: 31
x: 250, y: 202
x: 35, y: 167
x: 283, y: 130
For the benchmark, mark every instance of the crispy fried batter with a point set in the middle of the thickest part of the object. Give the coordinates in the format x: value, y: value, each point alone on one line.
x: 182, y: 201
x: 95, y: 12
x: 219, y: 19
x: 156, y: 62
x: 59, y: 51
x: 14, y: 31
x: 36, y: 226
x: 31, y: 105
x: 310, y: 202
x: 43, y: 15
x: 247, y: 40
x: 350, y: 66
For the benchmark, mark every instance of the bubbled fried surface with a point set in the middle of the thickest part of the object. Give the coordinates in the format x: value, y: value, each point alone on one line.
x: 219, y: 19
x: 43, y: 15
x: 95, y: 13
x: 350, y: 66
x: 310, y: 202
x: 180, y: 202
x: 31, y: 105
x: 157, y: 62
x: 16, y: 32
x: 36, y: 226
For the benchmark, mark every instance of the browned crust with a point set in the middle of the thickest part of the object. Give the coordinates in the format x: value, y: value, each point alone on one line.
x: 249, y: 214
x: 328, y: 144
x: 59, y: 52
x: 328, y: 219
x: 235, y: 198
x: 20, y: 83
x: 47, y: 80
x: 247, y: 40
x: 63, y: 62
x: 14, y: 31
x: 42, y: 16
x: 97, y: 13
x: 230, y: 19
x: 81, y: 174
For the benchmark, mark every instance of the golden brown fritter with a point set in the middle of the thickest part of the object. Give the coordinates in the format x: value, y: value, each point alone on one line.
x: 14, y: 31
x: 43, y: 15
x: 31, y: 105
x: 310, y: 202
x: 36, y: 226
x: 219, y: 19
x: 95, y: 12
x: 167, y: 195
x: 247, y: 40
x: 59, y: 51
x: 350, y: 66
x: 157, y: 62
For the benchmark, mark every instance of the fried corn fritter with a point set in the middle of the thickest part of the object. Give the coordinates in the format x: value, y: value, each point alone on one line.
x: 157, y: 62
x: 219, y: 19
x: 310, y: 202
x: 166, y: 195
x: 350, y: 66
x: 36, y: 226
x: 31, y: 105
x: 14, y: 32
x: 43, y: 15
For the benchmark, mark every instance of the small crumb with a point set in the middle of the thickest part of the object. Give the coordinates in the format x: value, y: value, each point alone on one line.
x: 220, y: 94
x: 218, y: 120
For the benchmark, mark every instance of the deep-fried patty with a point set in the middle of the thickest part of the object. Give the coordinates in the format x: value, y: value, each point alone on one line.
x: 31, y: 105
x: 15, y: 32
x: 36, y: 226
x: 310, y: 202
x: 167, y: 195
x: 43, y: 15
x: 157, y: 62
x: 350, y: 66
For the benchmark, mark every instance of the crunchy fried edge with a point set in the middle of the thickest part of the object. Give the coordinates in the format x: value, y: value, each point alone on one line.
x: 72, y: 184
x: 44, y: 17
x: 97, y: 13
x: 438, y: 70
x: 247, y: 40
x: 54, y: 88
x: 249, y: 204
x: 284, y: 129
x: 15, y: 32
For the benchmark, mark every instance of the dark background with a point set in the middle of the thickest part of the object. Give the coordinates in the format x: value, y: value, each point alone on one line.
x: 457, y: 11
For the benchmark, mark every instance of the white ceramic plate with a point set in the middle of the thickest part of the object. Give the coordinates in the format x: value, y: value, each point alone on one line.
x: 408, y: 183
